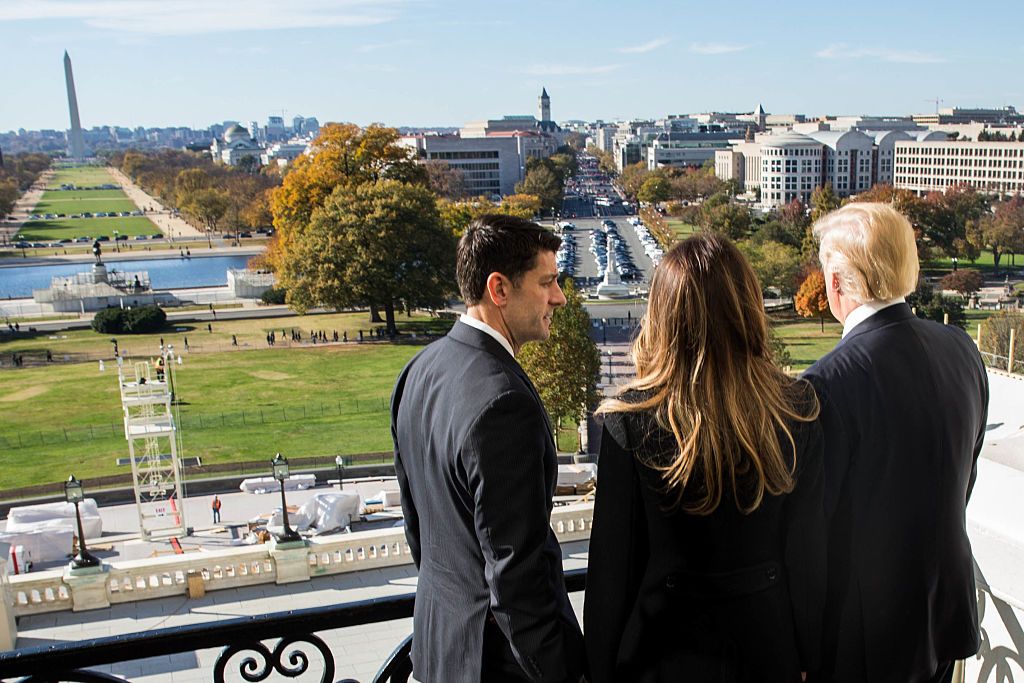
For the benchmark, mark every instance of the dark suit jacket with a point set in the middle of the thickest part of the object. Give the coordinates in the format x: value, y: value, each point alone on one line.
x: 904, y: 404
x: 477, y: 467
x: 673, y: 596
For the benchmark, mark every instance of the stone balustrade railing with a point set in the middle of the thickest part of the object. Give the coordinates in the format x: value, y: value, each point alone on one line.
x: 993, y: 515
x: 161, y: 577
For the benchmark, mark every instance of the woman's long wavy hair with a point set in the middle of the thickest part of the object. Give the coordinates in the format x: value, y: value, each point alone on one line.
x: 704, y: 369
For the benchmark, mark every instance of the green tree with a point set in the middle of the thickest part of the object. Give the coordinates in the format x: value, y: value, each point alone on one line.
x: 564, y: 164
x: 565, y: 367
x: 823, y: 201
x: 945, y: 215
x: 8, y: 196
x: 341, y: 155
x: 729, y: 219
x: 605, y: 160
x: 207, y: 206
x: 931, y: 305
x: 775, y: 264
x: 187, y: 183
x: 380, y: 243
x: 1001, y: 231
x: 543, y: 183
x: 655, y: 189
x: 633, y: 177
x: 249, y: 164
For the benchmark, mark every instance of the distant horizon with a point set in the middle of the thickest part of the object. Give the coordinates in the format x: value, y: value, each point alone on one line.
x: 197, y: 62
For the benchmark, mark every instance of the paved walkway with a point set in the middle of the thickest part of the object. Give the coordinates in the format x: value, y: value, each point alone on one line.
x: 170, y: 225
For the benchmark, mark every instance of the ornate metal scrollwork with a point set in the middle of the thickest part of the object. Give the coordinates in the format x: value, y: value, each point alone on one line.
x: 997, y: 660
x: 76, y: 676
x: 398, y: 666
x: 255, y: 669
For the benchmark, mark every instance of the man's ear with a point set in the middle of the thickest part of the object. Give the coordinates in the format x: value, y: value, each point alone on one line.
x: 498, y: 289
x: 836, y: 284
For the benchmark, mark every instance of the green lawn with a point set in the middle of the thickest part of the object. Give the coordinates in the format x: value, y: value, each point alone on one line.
x: 805, y: 341
x: 237, y: 405
x: 984, y: 263
x: 71, y: 228
x: 77, y: 201
x: 82, y: 176
x: 682, y: 230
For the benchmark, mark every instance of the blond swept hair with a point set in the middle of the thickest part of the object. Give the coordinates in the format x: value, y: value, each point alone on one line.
x: 704, y: 371
x: 871, y: 247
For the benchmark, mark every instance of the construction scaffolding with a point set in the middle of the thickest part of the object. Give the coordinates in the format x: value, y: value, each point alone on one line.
x: 147, y: 395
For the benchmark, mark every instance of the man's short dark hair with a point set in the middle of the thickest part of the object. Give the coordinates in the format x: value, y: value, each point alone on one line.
x: 496, y: 243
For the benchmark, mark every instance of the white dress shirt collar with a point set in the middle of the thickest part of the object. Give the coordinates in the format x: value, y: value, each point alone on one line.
x: 865, y: 311
x: 487, y: 329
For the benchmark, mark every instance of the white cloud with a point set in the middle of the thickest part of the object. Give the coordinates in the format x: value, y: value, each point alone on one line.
x: 373, y: 47
x: 187, y: 17
x: 568, y: 69
x: 646, y: 47
x: 882, y: 54
x: 716, y: 48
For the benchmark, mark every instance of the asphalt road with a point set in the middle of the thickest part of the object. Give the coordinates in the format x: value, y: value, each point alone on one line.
x: 586, y: 263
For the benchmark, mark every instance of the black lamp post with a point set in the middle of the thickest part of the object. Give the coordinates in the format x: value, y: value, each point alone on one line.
x: 340, y: 462
x: 280, y: 466
x: 609, y: 366
x: 74, y: 495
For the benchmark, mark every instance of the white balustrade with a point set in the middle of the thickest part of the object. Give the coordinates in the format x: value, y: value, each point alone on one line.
x: 167, y: 576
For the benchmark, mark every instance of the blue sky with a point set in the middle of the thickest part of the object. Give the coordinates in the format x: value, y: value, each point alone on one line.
x: 422, y: 62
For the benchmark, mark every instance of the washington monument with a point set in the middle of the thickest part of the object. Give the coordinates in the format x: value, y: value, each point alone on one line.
x: 76, y: 144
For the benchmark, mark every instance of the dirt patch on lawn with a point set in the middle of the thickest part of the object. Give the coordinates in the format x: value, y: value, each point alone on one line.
x: 270, y: 375
x: 24, y: 394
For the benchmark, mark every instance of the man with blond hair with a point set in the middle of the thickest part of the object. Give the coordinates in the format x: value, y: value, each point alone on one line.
x: 904, y: 404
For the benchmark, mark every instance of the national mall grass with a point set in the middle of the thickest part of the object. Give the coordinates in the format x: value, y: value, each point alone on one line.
x: 223, y: 390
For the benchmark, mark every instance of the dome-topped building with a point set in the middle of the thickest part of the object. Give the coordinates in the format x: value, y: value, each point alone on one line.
x: 236, y: 145
x: 235, y: 133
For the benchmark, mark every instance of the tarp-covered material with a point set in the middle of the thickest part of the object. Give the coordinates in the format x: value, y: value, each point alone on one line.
x: 41, y: 545
x: 386, y: 499
x: 324, y: 512
x: 56, y: 516
x: 576, y: 475
x: 296, y: 482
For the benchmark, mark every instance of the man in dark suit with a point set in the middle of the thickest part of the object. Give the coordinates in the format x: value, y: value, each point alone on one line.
x: 904, y: 404
x: 476, y: 464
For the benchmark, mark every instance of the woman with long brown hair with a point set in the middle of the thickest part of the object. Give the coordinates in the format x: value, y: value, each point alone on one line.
x: 707, y: 552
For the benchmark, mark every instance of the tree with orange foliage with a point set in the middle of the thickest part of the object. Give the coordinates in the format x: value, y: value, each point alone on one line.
x: 342, y: 156
x: 812, y: 299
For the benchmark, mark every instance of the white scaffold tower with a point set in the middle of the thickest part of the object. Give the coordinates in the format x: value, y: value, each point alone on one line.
x: 149, y: 427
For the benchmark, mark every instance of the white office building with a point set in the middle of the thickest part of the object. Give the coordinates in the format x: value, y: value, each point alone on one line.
x: 924, y: 166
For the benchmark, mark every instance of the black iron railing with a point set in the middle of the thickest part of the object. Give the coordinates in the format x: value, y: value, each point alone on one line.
x: 243, y: 642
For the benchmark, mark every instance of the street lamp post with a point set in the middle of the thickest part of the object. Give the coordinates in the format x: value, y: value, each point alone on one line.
x: 340, y: 462
x: 604, y: 331
x: 280, y: 467
x: 74, y: 495
x: 609, y: 366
